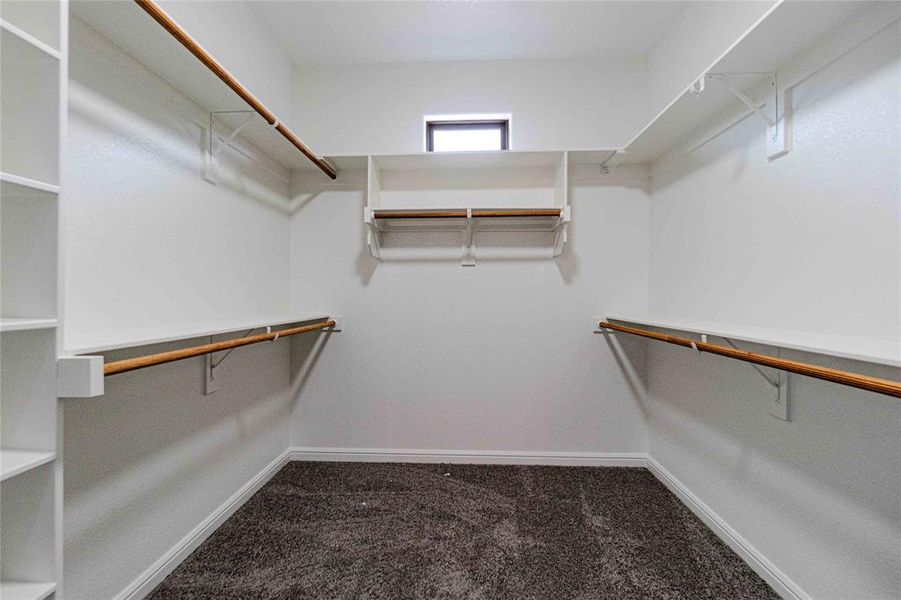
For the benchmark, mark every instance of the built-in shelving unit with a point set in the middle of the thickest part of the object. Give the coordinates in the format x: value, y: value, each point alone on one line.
x: 33, y: 55
x: 132, y: 338
x: 469, y: 192
x: 877, y: 351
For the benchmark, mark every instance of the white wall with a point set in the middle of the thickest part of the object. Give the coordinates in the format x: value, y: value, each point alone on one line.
x: 695, y: 39
x: 810, y: 242
x: 495, y: 357
x: 378, y: 109
x: 150, y: 243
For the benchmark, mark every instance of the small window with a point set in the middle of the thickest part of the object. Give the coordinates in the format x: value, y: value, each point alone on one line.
x: 467, y: 136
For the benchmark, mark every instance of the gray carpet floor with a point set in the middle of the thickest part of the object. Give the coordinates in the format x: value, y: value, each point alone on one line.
x: 365, y: 530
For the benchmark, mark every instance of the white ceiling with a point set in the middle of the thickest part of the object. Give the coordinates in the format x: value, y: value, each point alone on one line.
x: 337, y: 31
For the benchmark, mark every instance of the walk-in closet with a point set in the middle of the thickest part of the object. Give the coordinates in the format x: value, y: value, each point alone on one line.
x: 548, y: 300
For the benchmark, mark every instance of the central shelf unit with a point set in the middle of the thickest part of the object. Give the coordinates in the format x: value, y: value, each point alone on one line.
x: 467, y: 192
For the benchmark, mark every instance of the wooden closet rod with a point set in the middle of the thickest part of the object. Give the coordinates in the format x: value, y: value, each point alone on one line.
x: 130, y: 364
x: 863, y: 382
x: 461, y: 213
x: 161, y: 17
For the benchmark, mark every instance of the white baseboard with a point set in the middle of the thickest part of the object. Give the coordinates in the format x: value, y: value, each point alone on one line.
x: 153, y: 576
x: 777, y: 580
x: 475, y: 457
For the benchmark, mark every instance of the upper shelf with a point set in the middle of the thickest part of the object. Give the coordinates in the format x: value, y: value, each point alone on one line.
x: 785, y: 31
x: 25, y: 324
x: 30, y: 40
x: 131, y: 28
x: 88, y: 343
x: 878, y: 351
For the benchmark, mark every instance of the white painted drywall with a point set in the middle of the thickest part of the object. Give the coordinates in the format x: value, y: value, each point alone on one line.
x: 148, y: 242
x: 810, y: 241
x: 495, y: 357
x: 379, y: 109
x: 694, y: 41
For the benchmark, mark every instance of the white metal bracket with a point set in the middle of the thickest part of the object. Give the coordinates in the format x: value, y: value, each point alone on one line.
x: 212, y: 364
x: 372, y: 234
x: 215, y: 142
x: 79, y: 376
x: 778, y: 401
x: 561, y: 230
x: 469, y: 238
x: 778, y: 126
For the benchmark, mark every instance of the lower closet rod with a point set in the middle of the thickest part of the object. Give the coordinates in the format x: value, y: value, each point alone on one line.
x: 130, y: 364
x: 863, y: 382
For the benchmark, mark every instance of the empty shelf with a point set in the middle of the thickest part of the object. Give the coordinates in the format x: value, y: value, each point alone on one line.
x: 25, y: 182
x: 106, y: 341
x: 871, y: 350
x: 15, y: 462
x: 35, y: 44
x: 22, y: 324
x: 10, y: 590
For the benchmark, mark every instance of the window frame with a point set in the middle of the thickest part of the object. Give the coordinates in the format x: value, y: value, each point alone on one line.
x: 467, y: 124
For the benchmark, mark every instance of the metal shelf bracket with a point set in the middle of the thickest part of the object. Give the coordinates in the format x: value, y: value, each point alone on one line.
x: 216, y: 142
x: 778, y: 403
x: 778, y: 126
x: 469, y: 240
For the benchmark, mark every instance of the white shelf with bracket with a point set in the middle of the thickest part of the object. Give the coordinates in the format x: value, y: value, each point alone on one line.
x: 107, y: 341
x: 786, y: 31
x: 870, y: 350
x: 470, y: 193
x: 133, y: 30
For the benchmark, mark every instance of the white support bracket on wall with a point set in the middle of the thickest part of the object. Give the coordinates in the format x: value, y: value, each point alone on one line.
x: 372, y: 234
x: 469, y: 240
x: 778, y: 125
x: 79, y: 376
x: 561, y: 230
x: 215, y: 142
x: 212, y: 363
x: 778, y: 402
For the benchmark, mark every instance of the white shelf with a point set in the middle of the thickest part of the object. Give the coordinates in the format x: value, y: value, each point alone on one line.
x: 497, y: 159
x: 878, y: 351
x: 23, y: 324
x: 11, y: 182
x: 789, y: 29
x: 10, y: 590
x: 27, y: 38
x: 90, y: 343
x: 133, y: 30
x: 13, y: 462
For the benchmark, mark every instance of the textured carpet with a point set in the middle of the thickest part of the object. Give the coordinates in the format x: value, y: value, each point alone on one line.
x: 364, y: 530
